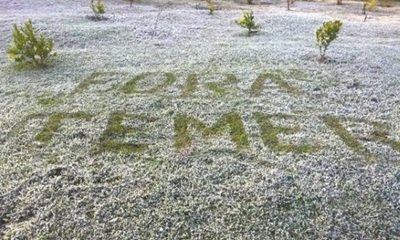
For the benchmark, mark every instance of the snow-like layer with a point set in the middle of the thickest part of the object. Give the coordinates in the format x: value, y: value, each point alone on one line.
x: 62, y: 190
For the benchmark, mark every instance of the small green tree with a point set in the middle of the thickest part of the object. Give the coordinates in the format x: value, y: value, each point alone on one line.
x: 98, y: 7
x: 211, y: 6
x: 368, y: 5
x: 247, y: 21
x: 28, y: 46
x: 326, y: 34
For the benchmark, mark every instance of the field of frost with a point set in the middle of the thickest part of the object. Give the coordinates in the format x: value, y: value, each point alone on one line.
x: 164, y: 122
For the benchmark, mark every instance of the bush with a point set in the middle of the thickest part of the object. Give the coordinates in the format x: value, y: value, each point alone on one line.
x: 249, y: 1
x: 28, y: 46
x: 211, y: 6
x: 368, y: 5
x: 371, y: 4
x: 326, y: 34
x: 247, y: 21
x: 98, y: 7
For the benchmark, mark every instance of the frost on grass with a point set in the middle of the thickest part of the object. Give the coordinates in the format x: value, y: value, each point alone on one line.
x: 222, y: 136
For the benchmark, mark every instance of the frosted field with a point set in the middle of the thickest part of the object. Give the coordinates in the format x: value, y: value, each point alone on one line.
x: 164, y: 122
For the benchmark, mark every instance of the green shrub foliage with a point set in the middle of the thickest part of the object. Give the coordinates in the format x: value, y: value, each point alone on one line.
x: 326, y: 34
x: 247, y: 21
x: 98, y: 7
x: 211, y: 6
x: 28, y: 46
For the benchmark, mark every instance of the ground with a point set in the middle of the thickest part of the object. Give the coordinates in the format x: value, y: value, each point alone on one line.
x: 164, y: 122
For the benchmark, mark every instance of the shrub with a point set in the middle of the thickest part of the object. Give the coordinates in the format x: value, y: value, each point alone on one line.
x: 249, y: 1
x: 98, y: 7
x: 326, y: 34
x: 28, y: 46
x: 371, y: 4
x: 247, y: 21
x: 368, y: 5
x: 211, y: 6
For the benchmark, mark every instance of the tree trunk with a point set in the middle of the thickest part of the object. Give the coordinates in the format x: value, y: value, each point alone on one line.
x: 364, y: 10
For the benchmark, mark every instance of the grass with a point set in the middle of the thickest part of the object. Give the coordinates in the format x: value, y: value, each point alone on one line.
x: 216, y: 89
x: 231, y: 79
x: 334, y: 124
x: 381, y: 134
x: 50, y: 101
x: 131, y: 86
x: 232, y: 121
x: 296, y: 74
x: 191, y: 85
x: 54, y: 124
x: 91, y: 80
x: 110, y: 140
x: 259, y: 84
x: 126, y: 178
x: 20, y: 125
x: 269, y: 135
x: 219, y: 88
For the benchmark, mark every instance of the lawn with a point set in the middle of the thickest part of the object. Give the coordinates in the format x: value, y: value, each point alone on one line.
x: 162, y: 121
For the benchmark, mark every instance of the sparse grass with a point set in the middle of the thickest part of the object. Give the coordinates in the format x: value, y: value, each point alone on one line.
x: 334, y: 124
x: 112, y: 138
x: 91, y: 80
x: 170, y: 79
x: 114, y: 186
x: 259, y: 84
x: 269, y: 135
x: 54, y: 124
x: 154, y: 163
x: 130, y: 86
x: 232, y: 121
x: 381, y: 134
x: 20, y: 125
x: 231, y: 79
x: 217, y: 89
x: 297, y: 75
x: 191, y: 85
x: 50, y: 101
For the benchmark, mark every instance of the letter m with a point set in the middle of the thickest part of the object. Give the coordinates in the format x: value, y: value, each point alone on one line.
x: 230, y: 121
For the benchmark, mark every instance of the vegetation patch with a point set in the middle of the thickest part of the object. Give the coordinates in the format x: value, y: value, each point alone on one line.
x: 270, y: 135
x: 219, y: 89
x: 30, y: 47
x: 91, y: 80
x: 20, y: 125
x: 259, y: 84
x: 381, y: 134
x: 54, y: 123
x: 335, y: 124
x: 112, y: 138
x: 50, y: 101
x: 131, y: 86
x: 231, y: 121
x: 191, y: 85
x: 216, y: 89
x: 296, y: 74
